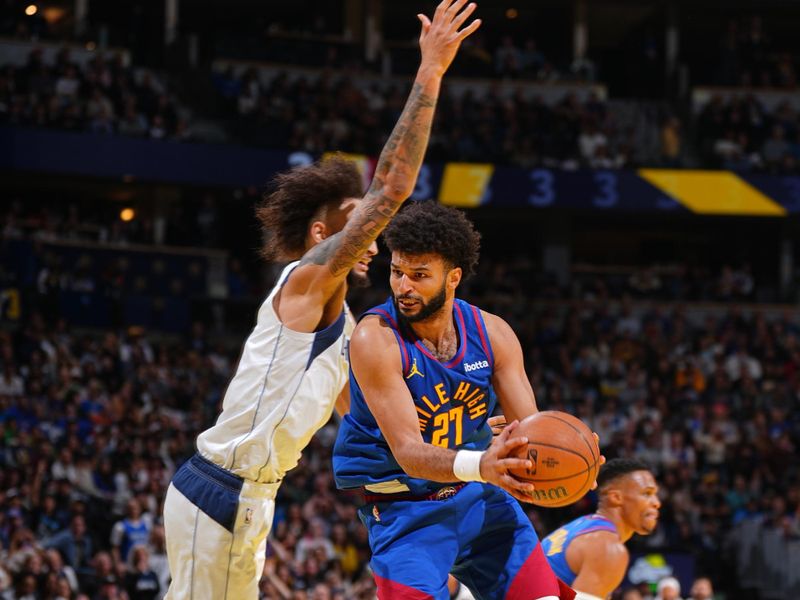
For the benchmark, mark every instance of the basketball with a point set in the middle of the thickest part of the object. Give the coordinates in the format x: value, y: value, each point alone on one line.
x: 564, y: 454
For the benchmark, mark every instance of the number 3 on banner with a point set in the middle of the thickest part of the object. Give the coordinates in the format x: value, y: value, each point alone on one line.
x: 423, y: 190
x: 544, y: 185
x: 608, y: 196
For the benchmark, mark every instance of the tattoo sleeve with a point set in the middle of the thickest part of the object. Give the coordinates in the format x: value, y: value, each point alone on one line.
x: 394, y: 180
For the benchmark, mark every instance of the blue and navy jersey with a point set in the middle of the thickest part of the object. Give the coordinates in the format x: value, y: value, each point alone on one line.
x: 453, y: 400
x: 555, y: 545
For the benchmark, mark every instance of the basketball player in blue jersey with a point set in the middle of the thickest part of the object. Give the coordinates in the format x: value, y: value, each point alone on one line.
x: 220, y: 504
x: 426, y: 370
x: 589, y: 553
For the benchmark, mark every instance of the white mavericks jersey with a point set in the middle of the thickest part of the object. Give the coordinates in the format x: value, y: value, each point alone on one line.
x: 284, y: 390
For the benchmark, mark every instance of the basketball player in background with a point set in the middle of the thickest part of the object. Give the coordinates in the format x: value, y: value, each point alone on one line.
x: 589, y: 553
x: 439, y: 498
x: 220, y: 504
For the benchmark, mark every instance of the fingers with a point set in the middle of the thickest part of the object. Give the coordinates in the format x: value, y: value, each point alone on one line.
x: 426, y: 22
x: 501, y: 440
x: 505, y: 464
x: 509, y: 429
x: 521, y: 490
x: 447, y: 13
x: 463, y: 15
x: 442, y: 6
x: 453, y: 9
x: 509, y: 445
x: 497, y: 424
x: 498, y: 421
x: 469, y: 30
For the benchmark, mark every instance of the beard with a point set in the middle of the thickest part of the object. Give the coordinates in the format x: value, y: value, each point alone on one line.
x: 357, y: 280
x: 427, y: 309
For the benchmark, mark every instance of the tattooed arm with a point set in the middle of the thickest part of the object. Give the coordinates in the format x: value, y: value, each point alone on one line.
x: 323, y: 268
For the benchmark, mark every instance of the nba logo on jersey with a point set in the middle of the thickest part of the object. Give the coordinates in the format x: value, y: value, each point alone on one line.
x: 248, y: 516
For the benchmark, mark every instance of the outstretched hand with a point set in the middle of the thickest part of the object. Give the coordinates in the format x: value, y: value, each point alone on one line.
x: 498, y: 459
x: 440, y: 39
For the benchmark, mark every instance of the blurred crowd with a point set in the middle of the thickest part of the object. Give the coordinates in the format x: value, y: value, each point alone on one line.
x: 104, y: 96
x: 749, y: 57
x: 332, y: 112
x: 328, y: 111
x: 741, y: 134
x: 92, y: 426
x: 92, y: 430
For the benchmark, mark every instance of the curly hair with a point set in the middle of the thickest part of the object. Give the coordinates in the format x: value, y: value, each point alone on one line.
x: 430, y: 228
x: 295, y: 196
x: 618, y: 467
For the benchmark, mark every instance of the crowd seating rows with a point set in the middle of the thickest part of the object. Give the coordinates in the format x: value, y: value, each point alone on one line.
x: 93, y: 426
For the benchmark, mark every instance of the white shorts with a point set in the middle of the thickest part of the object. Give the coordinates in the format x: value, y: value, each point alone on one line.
x: 216, y: 527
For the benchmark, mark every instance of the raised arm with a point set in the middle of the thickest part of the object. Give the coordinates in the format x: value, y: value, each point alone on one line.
x: 510, y: 381
x: 401, y: 158
x: 375, y: 361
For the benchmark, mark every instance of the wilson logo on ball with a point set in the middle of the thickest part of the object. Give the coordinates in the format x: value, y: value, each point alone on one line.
x: 553, y: 493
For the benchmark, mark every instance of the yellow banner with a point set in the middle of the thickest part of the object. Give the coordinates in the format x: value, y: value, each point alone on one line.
x: 465, y: 184
x: 713, y: 192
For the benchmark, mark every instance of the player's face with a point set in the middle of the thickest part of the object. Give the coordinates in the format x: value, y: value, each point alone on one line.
x: 419, y: 285
x: 640, y: 502
x: 359, y: 274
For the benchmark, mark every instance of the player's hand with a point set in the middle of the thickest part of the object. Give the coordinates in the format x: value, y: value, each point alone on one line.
x: 602, y: 458
x: 440, y: 39
x: 497, y: 423
x: 497, y: 460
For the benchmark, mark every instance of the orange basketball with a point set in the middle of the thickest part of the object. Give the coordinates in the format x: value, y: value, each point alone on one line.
x: 564, y: 454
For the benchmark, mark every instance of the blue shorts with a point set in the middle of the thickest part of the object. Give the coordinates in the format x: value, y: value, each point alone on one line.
x: 480, y: 535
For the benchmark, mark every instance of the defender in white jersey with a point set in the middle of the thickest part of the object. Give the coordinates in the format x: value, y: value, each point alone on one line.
x: 220, y: 504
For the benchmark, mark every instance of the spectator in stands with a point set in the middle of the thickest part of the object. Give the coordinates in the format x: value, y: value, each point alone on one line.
x: 141, y: 582
x: 74, y: 544
x: 531, y: 60
x: 314, y: 539
x: 131, y: 531
x: 671, y: 142
x: 507, y: 58
x: 775, y: 148
x: 668, y: 588
x: 702, y: 589
x: 99, y: 97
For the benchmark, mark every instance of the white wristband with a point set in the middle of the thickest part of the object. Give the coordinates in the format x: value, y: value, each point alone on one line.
x: 467, y: 465
x: 585, y: 596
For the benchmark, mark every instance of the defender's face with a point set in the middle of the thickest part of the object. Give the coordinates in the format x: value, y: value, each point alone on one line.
x: 419, y: 284
x: 641, y: 505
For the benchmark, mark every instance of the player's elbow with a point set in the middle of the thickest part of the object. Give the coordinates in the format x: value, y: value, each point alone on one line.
x: 399, y: 184
x: 404, y: 455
